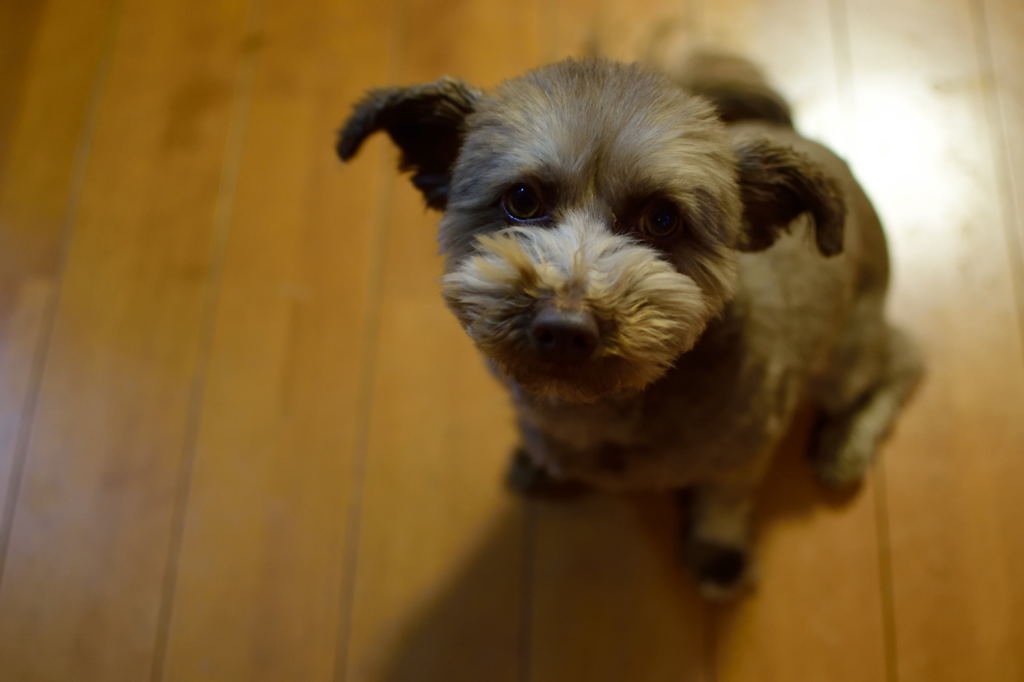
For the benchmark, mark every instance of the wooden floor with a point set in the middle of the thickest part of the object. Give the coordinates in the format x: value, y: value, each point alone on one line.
x: 242, y: 440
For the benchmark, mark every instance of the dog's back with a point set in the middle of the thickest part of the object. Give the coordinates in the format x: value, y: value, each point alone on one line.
x: 735, y: 85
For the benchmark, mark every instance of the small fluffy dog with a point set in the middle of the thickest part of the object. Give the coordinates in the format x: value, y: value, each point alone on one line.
x: 629, y: 250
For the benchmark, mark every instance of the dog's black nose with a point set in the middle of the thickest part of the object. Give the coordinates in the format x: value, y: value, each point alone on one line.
x: 564, y: 334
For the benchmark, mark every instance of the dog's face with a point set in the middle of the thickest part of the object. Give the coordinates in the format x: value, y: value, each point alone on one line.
x: 593, y: 213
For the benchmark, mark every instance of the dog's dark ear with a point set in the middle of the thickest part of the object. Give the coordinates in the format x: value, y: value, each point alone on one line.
x: 777, y: 185
x: 426, y: 122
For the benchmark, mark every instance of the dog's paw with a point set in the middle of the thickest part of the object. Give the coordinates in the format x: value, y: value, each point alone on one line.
x: 723, y: 571
x: 529, y: 480
x: 842, y: 455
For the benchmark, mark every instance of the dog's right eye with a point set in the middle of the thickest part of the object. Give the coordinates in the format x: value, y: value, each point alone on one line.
x: 522, y: 203
x: 660, y: 220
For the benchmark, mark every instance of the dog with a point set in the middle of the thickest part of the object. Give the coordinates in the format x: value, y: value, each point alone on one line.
x: 660, y: 270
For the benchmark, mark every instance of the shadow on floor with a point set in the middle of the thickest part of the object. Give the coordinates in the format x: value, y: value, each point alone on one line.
x: 584, y: 589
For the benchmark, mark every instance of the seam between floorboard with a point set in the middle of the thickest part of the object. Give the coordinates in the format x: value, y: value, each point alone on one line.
x: 230, y: 169
x: 881, y: 500
x: 531, y: 517
x: 42, y: 350
x: 995, y: 119
x: 371, y: 337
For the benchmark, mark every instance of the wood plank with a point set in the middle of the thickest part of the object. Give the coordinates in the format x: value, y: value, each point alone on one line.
x: 19, y: 35
x: 799, y: 625
x: 264, y: 545
x: 924, y: 148
x: 45, y: 105
x: 663, y: 30
x: 611, y: 599
x: 81, y: 591
x: 803, y: 70
x: 643, y: 30
x: 438, y: 588
x: 1004, y: 23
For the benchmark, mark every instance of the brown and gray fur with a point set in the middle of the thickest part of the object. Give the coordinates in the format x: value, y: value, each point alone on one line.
x: 770, y: 294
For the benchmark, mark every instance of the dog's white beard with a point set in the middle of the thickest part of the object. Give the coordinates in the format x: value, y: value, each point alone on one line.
x: 649, y: 312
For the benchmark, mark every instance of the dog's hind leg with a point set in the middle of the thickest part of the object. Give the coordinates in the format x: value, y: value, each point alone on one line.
x: 878, y: 367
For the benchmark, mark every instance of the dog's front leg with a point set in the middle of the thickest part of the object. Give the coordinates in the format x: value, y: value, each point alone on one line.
x: 718, y: 543
x: 527, y: 478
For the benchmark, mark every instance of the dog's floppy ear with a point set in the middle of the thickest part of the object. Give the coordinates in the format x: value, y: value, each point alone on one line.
x: 777, y: 185
x: 426, y: 122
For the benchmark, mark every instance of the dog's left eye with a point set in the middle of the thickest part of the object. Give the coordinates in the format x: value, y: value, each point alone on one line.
x: 522, y: 202
x: 660, y: 220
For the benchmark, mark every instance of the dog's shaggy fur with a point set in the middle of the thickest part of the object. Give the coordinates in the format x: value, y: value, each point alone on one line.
x: 769, y: 290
